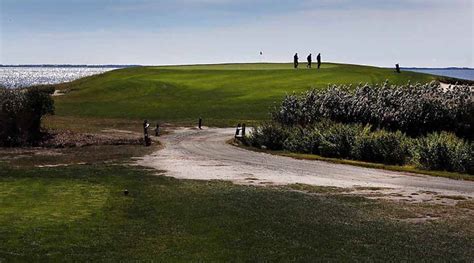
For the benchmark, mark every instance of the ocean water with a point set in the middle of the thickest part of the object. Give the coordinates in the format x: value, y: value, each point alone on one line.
x: 460, y: 73
x: 17, y: 77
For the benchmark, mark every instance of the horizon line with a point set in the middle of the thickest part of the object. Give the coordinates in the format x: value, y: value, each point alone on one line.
x: 204, y: 64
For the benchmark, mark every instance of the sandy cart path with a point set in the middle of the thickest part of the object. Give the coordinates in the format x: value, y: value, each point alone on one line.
x: 205, y: 155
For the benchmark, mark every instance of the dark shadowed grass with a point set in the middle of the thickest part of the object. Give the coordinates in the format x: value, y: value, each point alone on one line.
x: 93, y: 125
x: 96, y: 154
x: 221, y: 94
x: 80, y: 213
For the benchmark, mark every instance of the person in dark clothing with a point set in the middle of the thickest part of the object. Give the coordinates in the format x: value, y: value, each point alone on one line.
x: 318, y: 58
x: 295, y: 60
x: 310, y: 60
x: 397, y: 68
x: 147, y: 139
x: 145, y: 127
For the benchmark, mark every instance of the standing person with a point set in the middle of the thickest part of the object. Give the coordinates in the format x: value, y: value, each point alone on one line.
x: 318, y: 58
x: 146, y: 125
x: 310, y: 60
x: 397, y: 68
x: 295, y: 60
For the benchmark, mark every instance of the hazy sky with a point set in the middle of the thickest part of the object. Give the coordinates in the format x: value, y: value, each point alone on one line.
x: 432, y: 33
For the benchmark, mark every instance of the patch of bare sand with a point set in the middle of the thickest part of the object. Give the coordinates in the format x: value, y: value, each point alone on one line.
x: 417, y: 197
x: 58, y: 93
x: 59, y: 165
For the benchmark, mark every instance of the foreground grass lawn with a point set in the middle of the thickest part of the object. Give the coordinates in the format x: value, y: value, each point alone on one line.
x: 80, y: 213
x: 220, y: 94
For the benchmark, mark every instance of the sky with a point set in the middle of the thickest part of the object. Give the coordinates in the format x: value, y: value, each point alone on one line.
x: 413, y: 33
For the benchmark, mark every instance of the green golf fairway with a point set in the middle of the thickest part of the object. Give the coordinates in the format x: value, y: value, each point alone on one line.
x: 221, y: 94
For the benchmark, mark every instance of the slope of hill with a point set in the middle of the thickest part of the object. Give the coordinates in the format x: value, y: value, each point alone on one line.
x: 221, y: 94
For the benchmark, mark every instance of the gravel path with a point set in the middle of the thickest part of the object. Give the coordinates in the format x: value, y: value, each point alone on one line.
x: 205, y: 155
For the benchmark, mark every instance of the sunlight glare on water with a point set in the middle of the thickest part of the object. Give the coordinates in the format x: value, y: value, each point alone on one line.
x: 17, y: 77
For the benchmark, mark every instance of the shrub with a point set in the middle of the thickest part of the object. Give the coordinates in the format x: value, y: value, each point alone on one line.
x: 270, y: 135
x: 303, y: 141
x: 437, y: 151
x: 382, y: 147
x: 20, y: 115
x: 48, y: 89
x: 338, y: 140
x: 445, y: 151
x: 413, y: 109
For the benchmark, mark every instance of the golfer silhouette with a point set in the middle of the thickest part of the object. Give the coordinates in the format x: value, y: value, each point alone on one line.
x: 295, y: 60
x: 318, y: 58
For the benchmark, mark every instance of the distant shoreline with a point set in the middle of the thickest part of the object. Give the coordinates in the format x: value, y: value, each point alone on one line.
x: 457, y: 73
x: 137, y: 65
x: 67, y: 66
x: 448, y: 68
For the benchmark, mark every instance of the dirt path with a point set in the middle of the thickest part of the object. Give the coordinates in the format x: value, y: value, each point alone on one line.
x: 205, y: 155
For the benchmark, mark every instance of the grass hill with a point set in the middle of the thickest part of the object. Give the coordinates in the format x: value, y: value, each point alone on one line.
x: 222, y: 94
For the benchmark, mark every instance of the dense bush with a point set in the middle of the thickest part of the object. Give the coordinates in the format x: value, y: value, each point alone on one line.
x: 382, y: 147
x: 48, y: 89
x: 303, y: 141
x: 338, y: 140
x: 20, y: 115
x: 331, y: 123
x: 436, y: 151
x: 413, y: 109
x: 445, y: 151
x: 270, y: 135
